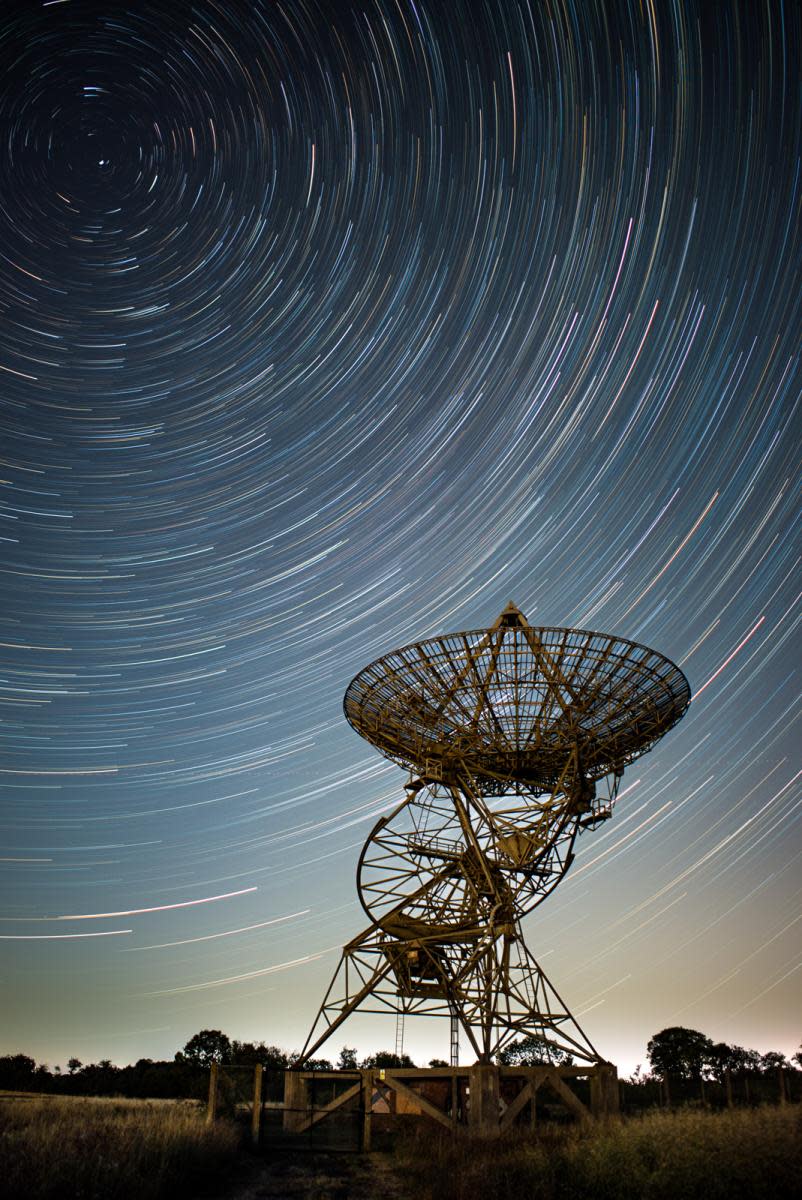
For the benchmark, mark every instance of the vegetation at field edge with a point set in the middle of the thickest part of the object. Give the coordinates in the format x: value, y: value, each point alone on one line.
x: 54, y: 1149
x: 686, y: 1155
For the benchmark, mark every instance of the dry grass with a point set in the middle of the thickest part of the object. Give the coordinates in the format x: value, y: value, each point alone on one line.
x: 62, y: 1149
x: 686, y: 1155
x: 55, y: 1148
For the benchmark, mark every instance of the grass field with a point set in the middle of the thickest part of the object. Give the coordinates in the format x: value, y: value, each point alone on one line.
x: 84, y: 1149
x: 60, y: 1148
x: 753, y: 1154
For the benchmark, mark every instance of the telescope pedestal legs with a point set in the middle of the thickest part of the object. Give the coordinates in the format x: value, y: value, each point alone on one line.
x: 491, y: 985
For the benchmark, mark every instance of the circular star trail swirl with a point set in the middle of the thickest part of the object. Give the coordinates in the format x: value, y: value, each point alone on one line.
x: 330, y: 327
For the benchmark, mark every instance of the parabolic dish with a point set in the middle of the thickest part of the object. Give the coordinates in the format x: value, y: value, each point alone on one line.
x: 512, y: 702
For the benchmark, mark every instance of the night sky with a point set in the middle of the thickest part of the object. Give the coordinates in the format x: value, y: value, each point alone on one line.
x: 329, y: 327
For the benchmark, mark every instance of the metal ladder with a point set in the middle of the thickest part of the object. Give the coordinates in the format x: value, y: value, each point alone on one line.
x: 399, y: 1033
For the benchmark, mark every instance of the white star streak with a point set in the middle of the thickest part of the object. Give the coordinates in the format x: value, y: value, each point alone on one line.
x: 130, y: 912
x: 212, y: 983
x: 210, y: 937
x: 58, y: 937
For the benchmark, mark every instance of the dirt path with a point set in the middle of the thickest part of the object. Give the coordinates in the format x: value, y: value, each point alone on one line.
x: 314, y: 1177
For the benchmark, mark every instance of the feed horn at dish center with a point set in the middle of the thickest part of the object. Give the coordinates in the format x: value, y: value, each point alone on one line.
x: 515, y: 739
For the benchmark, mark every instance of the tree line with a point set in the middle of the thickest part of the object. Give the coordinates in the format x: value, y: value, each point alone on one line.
x: 681, y: 1062
x: 185, y: 1076
x: 687, y: 1066
x: 688, y: 1054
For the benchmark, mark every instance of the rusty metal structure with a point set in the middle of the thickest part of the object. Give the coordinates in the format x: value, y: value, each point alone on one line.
x: 515, y: 739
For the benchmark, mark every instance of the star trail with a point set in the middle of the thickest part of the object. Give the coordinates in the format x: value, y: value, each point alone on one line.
x: 330, y: 327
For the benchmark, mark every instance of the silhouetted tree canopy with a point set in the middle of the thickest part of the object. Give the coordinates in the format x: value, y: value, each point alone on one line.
x: 17, y: 1072
x: 679, y: 1051
x: 208, y: 1046
x: 533, y: 1051
x: 247, y: 1054
x: 773, y: 1059
x: 347, y: 1059
x: 723, y: 1058
x: 386, y: 1058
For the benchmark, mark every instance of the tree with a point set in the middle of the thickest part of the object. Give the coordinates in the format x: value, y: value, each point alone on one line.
x: 735, y: 1059
x: 318, y: 1064
x: 386, y: 1058
x: 206, y: 1047
x: 680, y: 1052
x: 437, y: 1062
x: 797, y: 1058
x: 638, y: 1078
x: 751, y: 1060
x: 16, y: 1071
x: 773, y: 1059
x: 533, y: 1051
x: 723, y: 1058
x: 73, y: 1065
x: 347, y: 1059
x: 248, y: 1054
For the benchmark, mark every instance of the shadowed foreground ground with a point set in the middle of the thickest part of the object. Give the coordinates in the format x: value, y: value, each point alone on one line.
x: 315, y: 1177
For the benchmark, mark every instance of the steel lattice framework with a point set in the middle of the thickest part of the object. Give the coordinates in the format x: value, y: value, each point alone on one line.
x: 516, y: 739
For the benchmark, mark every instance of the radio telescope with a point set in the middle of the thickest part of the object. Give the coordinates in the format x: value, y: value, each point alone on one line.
x: 515, y: 739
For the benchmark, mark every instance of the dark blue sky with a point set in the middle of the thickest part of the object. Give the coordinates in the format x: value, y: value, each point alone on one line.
x: 327, y: 328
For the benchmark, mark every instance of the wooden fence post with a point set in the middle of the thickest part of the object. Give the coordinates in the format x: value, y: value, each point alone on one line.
x: 256, y: 1117
x: 596, y: 1091
x: 211, y: 1110
x: 781, y: 1084
x: 367, y: 1107
x: 611, y: 1090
